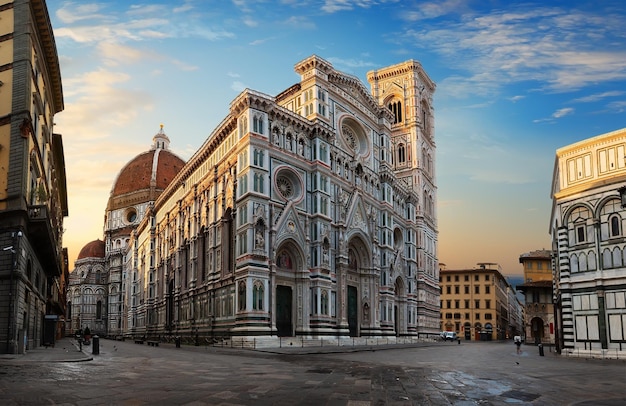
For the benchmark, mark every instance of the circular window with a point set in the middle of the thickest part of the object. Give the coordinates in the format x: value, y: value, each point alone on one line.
x: 288, y: 184
x: 353, y: 136
x: 349, y: 137
x: 285, y: 187
x: 131, y: 215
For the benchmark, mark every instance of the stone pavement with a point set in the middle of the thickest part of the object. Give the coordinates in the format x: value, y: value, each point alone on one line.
x: 64, y: 350
x: 435, y: 374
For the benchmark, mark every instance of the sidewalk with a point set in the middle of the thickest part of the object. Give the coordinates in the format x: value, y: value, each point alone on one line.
x: 65, y: 350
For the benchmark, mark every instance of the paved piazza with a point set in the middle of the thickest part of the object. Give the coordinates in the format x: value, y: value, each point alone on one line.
x: 442, y: 373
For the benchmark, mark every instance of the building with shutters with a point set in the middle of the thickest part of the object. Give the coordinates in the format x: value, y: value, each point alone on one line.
x: 33, y: 195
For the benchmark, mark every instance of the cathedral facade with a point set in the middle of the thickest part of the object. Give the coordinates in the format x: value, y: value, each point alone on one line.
x: 310, y: 213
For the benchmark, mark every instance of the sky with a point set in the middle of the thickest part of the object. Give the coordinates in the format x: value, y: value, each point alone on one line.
x: 515, y: 82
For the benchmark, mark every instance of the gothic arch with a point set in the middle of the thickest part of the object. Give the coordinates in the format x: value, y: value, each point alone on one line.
x: 289, y: 256
x: 359, y: 251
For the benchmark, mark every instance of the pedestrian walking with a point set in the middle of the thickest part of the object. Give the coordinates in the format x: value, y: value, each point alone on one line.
x: 518, y: 343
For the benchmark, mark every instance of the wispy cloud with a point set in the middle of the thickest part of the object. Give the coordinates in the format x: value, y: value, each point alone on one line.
x: 333, y: 6
x: 436, y: 9
x: 563, y: 112
x: 599, y: 96
x: 349, y: 65
x: 554, y: 47
x: 72, y: 12
x: 617, y: 107
x: 560, y: 113
x: 237, y: 86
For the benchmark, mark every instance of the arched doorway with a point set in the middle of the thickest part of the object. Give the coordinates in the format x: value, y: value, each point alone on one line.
x: 477, y: 330
x: 288, y: 260
x: 359, y: 257
x: 399, y: 306
x: 536, y: 329
x: 467, y: 330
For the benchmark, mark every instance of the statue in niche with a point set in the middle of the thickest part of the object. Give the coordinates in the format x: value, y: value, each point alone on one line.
x: 276, y: 140
x: 301, y: 148
x: 259, y: 240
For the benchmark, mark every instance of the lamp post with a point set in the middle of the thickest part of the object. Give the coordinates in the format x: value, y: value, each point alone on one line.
x: 622, y: 195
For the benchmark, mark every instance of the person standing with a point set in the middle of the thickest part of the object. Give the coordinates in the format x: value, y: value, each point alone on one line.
x: 518, y: 343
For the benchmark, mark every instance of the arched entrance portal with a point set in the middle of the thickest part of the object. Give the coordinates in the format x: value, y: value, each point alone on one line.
x: 359, y: 257
x: 288, y: 261
x: 536, y: 329
x: 399, y: 306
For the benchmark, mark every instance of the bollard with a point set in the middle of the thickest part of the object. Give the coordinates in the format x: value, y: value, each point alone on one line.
x: 540, y: 349
x: 459, y: 340
x: 177, y: 342
x: 95, y: 345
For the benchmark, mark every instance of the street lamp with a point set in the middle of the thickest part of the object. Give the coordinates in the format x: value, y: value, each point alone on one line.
x: 622, y: 195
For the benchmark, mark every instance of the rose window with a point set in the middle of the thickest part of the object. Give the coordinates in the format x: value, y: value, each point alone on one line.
x: 285, y: 187
x: 349, y: 137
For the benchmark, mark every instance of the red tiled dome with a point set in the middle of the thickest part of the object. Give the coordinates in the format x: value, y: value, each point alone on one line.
x: 138, y: 173
x: 94, y: 249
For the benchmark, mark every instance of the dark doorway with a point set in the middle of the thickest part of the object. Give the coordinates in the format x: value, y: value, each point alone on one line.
x: 353, y: 315
x: 169, y: 306
x: 396, y: 320
x: 536, y: 329
x: 283, y: 311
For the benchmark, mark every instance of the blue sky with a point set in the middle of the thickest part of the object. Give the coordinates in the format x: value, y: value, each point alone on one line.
x: 515, y: 81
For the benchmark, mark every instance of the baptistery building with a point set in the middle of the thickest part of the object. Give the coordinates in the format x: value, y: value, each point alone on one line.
x: 588, y: 227
x: 310, y: 213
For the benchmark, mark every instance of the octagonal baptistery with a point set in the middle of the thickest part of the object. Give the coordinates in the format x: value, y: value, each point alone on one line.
x: 139, y: 182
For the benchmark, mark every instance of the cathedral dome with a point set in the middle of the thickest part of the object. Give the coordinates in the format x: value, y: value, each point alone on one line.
x: 145, y: 176
x: 94, y: 249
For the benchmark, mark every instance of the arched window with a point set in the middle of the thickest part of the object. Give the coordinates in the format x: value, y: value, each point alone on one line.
x: 401, y: 154
x: 324, y: 302
x: 257, y: 124
x: 573, y: 263
x: 614, y: 226
x: 257, y: 296
x: 607, y: 259
x: 591, y: 261
x: 578, y: 225
x: 242, y: 296
x: 396, y: 108
x: 617, y: 257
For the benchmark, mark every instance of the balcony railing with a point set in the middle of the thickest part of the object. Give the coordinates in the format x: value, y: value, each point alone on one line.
x: 44, y: 231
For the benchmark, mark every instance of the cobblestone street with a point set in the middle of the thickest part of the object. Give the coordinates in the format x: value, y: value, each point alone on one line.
x: 439, y: 373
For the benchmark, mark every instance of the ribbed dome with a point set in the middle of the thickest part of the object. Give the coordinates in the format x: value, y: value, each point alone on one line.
x: 94, y: 249
x: 155, y: 168
x: 145, y: 176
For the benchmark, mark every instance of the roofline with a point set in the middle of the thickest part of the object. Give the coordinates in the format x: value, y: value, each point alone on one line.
x: 46, y: 33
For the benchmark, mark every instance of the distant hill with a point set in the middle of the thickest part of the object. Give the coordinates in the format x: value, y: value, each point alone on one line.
x: 515, y: 280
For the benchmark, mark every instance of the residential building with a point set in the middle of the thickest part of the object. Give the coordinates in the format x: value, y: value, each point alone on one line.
x: 310, y: 213
x: 589, y: 243
x: 476, y: 303
x: 33, y: 195
x: 539, y: 324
